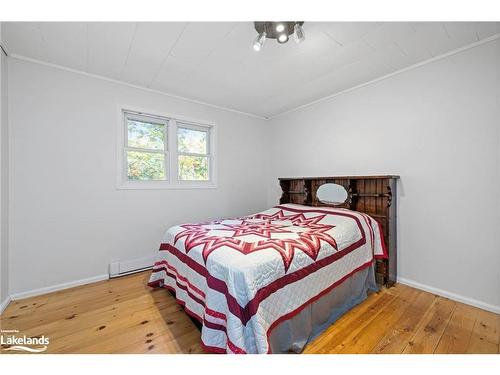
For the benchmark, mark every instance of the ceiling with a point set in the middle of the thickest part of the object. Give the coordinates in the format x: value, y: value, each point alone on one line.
x: 214, y: 62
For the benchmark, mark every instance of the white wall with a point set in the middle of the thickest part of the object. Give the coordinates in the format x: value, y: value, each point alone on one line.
x: 68, y: 220
x: 437, y: 126
x: 4, y: 182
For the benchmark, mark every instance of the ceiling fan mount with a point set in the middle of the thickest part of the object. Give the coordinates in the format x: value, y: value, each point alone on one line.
x: 279, y: 30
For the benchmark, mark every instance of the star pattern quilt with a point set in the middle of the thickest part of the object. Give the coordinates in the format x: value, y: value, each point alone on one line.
x: 242, y: 277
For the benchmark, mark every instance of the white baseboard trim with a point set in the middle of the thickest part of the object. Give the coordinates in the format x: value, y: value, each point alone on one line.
x: 55, y: 288
x: 4, y: 304
x: 453, y: 296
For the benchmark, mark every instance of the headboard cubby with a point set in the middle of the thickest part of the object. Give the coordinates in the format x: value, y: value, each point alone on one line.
x: 372, y: 195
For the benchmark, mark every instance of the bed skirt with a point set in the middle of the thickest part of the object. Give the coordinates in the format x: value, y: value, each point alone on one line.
x: 291, y: 336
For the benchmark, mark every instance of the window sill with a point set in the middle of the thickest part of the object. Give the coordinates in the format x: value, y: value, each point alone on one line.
x: 155, y: 185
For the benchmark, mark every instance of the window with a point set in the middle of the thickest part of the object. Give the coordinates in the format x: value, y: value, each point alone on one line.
x: 157, y: 151
x: 146, y: 148
x: 192, y: 149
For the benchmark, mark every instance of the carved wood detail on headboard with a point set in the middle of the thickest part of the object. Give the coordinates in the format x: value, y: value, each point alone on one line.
x: 373, y: 195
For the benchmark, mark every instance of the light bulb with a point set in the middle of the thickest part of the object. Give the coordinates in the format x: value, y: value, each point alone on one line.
x: 259, y: 41
x: 298, y: 34
x: 283, y: 38
x: 280, y: 28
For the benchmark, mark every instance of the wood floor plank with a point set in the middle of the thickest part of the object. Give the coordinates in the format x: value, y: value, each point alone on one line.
x: 396, y: 339
x: 426, y: 338
x: 124, y: 315
x: 485, y: 335
x: 349, y: 323
x: 59, y: 305
x: 457, y: 335
x: 365, y: 339
x: 138, y: 337
x: 112, y: 329
x: 72, y: 323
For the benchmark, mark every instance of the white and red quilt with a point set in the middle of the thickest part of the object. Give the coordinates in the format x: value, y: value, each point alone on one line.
x: 242, y: 277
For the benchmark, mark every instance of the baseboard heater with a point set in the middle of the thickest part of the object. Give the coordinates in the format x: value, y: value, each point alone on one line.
x: 127, y: 267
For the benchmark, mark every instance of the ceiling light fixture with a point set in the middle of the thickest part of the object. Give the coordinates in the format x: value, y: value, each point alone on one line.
x: 283, y: 38
x: 281, y: 31
x: 298, y: 34
x: 259, y: 41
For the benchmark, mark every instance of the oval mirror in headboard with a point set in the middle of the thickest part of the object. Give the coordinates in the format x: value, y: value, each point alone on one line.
x: 331, y: 194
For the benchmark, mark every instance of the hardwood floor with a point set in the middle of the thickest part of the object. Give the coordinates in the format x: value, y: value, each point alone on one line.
x: 125, y: 316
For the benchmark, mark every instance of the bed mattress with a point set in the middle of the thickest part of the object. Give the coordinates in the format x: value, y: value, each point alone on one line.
x: 242, y: 277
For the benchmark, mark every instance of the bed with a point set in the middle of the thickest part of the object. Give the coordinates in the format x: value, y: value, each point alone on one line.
x: 272, y: 281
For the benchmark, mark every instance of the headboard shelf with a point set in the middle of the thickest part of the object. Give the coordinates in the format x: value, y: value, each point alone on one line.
x: 373, y: 195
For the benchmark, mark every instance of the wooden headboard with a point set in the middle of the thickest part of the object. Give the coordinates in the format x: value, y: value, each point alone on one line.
x: 373, y: 195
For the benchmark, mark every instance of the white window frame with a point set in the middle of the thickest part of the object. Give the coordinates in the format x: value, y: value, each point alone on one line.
x: 187, y: 125
x: 130, y: 115
x: 171, y: 150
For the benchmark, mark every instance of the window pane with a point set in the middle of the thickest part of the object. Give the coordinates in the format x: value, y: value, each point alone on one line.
x: 193, y: 168
x: 146, y: 135
x: 145, y: 166
x: 192, y: 141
